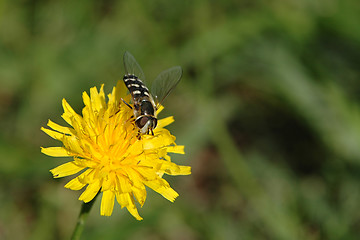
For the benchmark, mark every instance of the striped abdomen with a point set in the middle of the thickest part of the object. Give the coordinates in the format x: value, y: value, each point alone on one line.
x: 139, y: 93
x: 136, y: 86
x: 144, y: 105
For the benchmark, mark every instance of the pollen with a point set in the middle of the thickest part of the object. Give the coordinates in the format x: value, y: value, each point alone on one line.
x: 108, y: 157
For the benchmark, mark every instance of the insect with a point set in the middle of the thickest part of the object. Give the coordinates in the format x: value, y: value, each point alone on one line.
x: 146, y: 103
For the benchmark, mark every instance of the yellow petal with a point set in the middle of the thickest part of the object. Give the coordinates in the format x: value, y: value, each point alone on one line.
x: 123, y: 184
x: 97, y: 99
x: 59, y: 128
x: 165, y: 122
x: 134, y: 149
x: 109, y: 182
x: 184, y: 170
x: 87, y: 113
x: 66, y: 169
x: 138, y: 187
x: 176, y: 149
x: 162, y: 187
x: 122, y: 199
x: 140, y: 194
x: 107, y: 203
x: 159, y: 109
x: 133, y: 210
x: 53, y: 134
x: 55, y: 151
x: 157, y: 141
x: 125, y: 200
x: 73, y: 144
x: 75, y: 184
x: 174, y: 169
x: 69, y: 113
x: 135, y: 178
x: 90, y: 192
x: 86, y: 99
x: 147, y: 173
x: 84, y: 177
x: 120, y: 91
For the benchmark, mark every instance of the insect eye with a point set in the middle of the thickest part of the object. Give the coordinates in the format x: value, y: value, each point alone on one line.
x: 140, y: 123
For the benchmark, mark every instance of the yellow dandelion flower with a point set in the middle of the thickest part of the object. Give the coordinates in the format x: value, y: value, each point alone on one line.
x: 109, y: 157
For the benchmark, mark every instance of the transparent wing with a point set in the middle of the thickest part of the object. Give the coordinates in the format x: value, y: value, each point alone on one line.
x: 165, y: 82
x: 132, y: 67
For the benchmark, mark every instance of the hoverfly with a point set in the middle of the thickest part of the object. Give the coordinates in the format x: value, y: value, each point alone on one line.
x: 146, y: 103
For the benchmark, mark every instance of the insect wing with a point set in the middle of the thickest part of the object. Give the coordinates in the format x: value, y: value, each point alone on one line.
x: 165, y: 82
x: 132, y: 67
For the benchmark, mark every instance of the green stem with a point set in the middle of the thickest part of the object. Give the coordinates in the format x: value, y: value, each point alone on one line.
x: 84, y: 213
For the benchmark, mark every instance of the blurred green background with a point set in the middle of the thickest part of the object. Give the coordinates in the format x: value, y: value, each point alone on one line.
x: 268, y: 109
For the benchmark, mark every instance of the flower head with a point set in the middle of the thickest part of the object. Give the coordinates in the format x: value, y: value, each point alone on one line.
x: 109, y: 157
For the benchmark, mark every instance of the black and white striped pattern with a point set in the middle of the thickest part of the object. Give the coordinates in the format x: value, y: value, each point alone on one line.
x: 136, y: 87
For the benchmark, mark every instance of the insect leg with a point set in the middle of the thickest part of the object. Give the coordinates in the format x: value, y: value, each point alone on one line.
x: 119, y: 107
x: 127, y: 104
